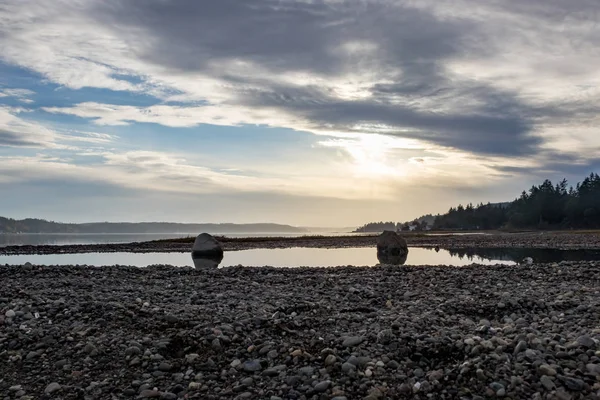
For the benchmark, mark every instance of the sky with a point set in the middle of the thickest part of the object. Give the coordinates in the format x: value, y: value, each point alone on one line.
x: 304, y: 112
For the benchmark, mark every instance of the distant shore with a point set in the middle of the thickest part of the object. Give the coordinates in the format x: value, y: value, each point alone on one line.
x: 564, y: 240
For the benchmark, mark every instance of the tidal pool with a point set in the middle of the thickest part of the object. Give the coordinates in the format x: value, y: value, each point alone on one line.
x: 310, y: 257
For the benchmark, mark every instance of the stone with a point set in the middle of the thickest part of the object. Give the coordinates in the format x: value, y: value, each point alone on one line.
x: 10, y: 314
x: 52, y: 388
x: 330, y: 359
x: 271, y: 372
x: 573, y: 384
x: 586, y: 341
x: 308, y: 371
x: 252, y: 366
x: 149, y: 394
x: 521, y: 346
x: 352, y: 341
x: 191, y: 358
x: 133, y: 350
x: 296, y: 353
x: 391, y: 248
x: 206, y: 246
x: 545, y: 369
x: 165, y: 366
x: 347, y: 367
x: 322, y: 386
x: 247, y: 381
x: 547, y: 382
x: 385, y: 336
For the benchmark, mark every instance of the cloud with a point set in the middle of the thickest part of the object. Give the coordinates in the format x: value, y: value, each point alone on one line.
x: 17, y: 132
x: 316, y: 66
x: 21, y: 95
x: 504, y: 83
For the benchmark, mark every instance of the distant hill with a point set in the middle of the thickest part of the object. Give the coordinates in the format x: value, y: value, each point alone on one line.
x: 31, y: 225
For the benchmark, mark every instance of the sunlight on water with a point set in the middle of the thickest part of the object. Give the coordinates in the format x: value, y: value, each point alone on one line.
x: 292, y: 257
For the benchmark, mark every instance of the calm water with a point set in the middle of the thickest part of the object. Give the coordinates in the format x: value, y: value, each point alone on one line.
x: 292, y: 257
x: 95, y: 238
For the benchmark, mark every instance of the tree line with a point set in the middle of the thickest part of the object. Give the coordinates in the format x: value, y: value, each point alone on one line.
x: 546, y: 206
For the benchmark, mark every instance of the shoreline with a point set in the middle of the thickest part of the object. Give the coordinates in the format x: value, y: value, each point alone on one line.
x: 521, y: 332
x: 577, y: 240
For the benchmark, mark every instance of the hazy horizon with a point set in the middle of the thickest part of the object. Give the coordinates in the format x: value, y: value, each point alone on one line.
x: 307, y: 113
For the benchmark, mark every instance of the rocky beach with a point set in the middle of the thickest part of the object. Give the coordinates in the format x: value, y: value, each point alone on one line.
x: 514, y: 332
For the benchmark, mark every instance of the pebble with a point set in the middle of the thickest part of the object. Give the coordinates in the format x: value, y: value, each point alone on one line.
x: 9, y: 314
x: 572, y: 383
x: 545, y: 369
x: 347, y: 367
x: 352, y: 341
x: 586, y: 341
x: 252, y: 366
x: 51, y: 388
x: 322, y: 386
x: 148, y: 394
x: 165, y: 367
x: 277, y: 340
x: 330, y: 359
x: 547, y: 382
x: 521, y: 346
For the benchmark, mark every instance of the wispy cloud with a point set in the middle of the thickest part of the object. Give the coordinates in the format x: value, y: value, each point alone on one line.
x: 21, y: 95
x: 18, y: 132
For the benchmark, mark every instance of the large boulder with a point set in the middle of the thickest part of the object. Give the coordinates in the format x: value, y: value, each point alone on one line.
x: 391, y: 248
x: 207, y: 246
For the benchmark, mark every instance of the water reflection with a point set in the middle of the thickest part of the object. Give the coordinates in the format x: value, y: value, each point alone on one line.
x: 394, y: 259
x: 294, y: 257
x: 207, y: 262
x: 518, y: 254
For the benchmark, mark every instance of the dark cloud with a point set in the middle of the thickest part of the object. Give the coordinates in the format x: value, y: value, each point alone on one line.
x: 284, y: 35
x: 420, y: 99
x: 16, y: 139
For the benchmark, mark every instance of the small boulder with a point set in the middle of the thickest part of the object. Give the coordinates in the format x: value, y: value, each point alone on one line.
x: 391, y: 248
x: 206, y: 247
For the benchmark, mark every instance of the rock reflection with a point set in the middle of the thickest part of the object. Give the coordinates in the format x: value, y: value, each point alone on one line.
x: 207, y: 262
x: 394, y: 259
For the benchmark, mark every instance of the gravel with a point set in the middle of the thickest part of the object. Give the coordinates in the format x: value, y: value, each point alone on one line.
x: 518, y: 332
